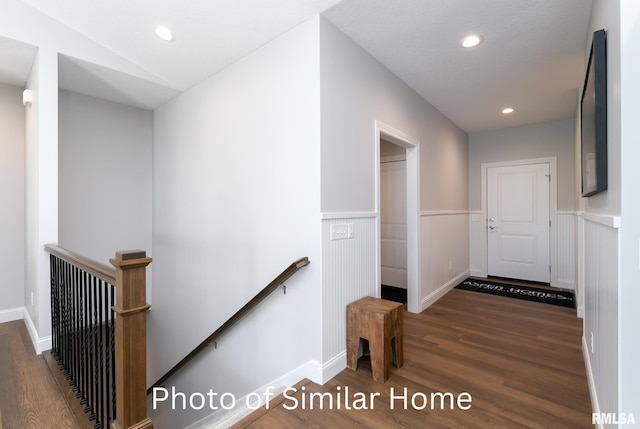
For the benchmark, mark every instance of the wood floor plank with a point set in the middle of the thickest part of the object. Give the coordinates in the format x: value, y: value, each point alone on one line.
x: 30, y: 398
x: 521, y: 361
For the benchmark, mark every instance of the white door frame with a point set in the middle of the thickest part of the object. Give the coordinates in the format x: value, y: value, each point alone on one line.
x: 553, y: 211
x: 412, y: 147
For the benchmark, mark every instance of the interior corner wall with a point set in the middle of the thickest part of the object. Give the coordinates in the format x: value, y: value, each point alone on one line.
x: 600, y: 231
x: 356, y: 91
x: 41, y: 184
x: 12, y: 194
x: 105, y: 176
x: 236, y: 191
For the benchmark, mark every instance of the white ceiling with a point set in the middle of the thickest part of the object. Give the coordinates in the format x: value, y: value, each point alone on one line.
x: 532, y: 57
x: 209, y: 34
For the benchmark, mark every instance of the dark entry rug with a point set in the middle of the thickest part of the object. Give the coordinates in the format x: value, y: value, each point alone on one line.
x: 393, y: 294
x: 547, y: 296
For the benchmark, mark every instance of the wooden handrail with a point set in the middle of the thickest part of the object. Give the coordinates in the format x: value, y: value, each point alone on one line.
x: 275, y: 283
x: 101, y: 271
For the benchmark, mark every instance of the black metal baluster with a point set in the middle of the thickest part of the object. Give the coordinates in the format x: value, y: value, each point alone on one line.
x: 81, y: 336
x: 65, y: 320
x: 58, y: 292
x: 94, y: 335
x: 106, y: 402
x: 113, y: 351
x: 59, y: 280
x: 100, y: 396
x: 77, y: 334
x: 54, y: 308
x: 73, y: 370
x: 90, y: 295
x: 85, y: 338
x: 60, y: 356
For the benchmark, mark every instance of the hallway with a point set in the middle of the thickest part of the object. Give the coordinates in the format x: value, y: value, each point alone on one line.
x: 520, y: 361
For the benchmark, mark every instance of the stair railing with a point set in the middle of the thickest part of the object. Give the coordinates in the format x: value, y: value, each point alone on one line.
x: 98, y: 318
x: 211, y: 339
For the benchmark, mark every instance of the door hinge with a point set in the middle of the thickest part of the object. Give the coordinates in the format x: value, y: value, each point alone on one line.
x: 549, y: 223
x: 549, y: 268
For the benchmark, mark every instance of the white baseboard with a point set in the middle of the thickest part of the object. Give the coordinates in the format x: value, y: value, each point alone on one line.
x: 442, y: 290
x: 564, y: 284
x: 11, y: 314
x: 40, y: 344
x: 595, y: 407
x: 330, y: 369
x: 477, y: 272
x: 311, y: 370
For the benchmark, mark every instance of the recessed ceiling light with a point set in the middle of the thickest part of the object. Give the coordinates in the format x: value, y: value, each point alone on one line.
x: 471, y: 41
x: 164, y: 33
x: 507, y: 110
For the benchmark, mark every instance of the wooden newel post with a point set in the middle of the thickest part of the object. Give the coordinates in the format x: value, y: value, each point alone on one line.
x: 131, y: 340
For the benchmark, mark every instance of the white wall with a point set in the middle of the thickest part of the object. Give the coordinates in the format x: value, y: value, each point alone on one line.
x: 356, y: 91
x: 630, y: 209
x: 12, y: 171
x: 550, y: 139
x: 105, y: 176
x: 601, y: 231
x: 235, y: 201
x: 41, y: 193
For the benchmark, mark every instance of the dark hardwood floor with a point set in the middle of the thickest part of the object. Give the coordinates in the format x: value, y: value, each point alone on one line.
x: 29, y: 398
x: 520, y: 361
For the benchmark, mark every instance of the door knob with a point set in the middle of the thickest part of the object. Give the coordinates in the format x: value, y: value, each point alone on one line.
x: 491, y: 227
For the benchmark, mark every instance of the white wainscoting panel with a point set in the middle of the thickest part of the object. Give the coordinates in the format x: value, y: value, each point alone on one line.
x: 477, y: 244
x: 444, y: 253
x: 601, y: 278
x: 566, y: 222
x: 349, y: 272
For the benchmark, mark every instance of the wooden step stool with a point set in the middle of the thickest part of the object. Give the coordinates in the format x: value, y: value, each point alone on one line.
x: 379, y: 321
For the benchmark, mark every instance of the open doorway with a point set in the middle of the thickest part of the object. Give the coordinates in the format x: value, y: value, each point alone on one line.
x: 393, y: 222
x: 397, y: 164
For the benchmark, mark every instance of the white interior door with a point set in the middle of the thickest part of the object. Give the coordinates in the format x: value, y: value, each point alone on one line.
x: 518, y: 222
x: 393, y: 223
